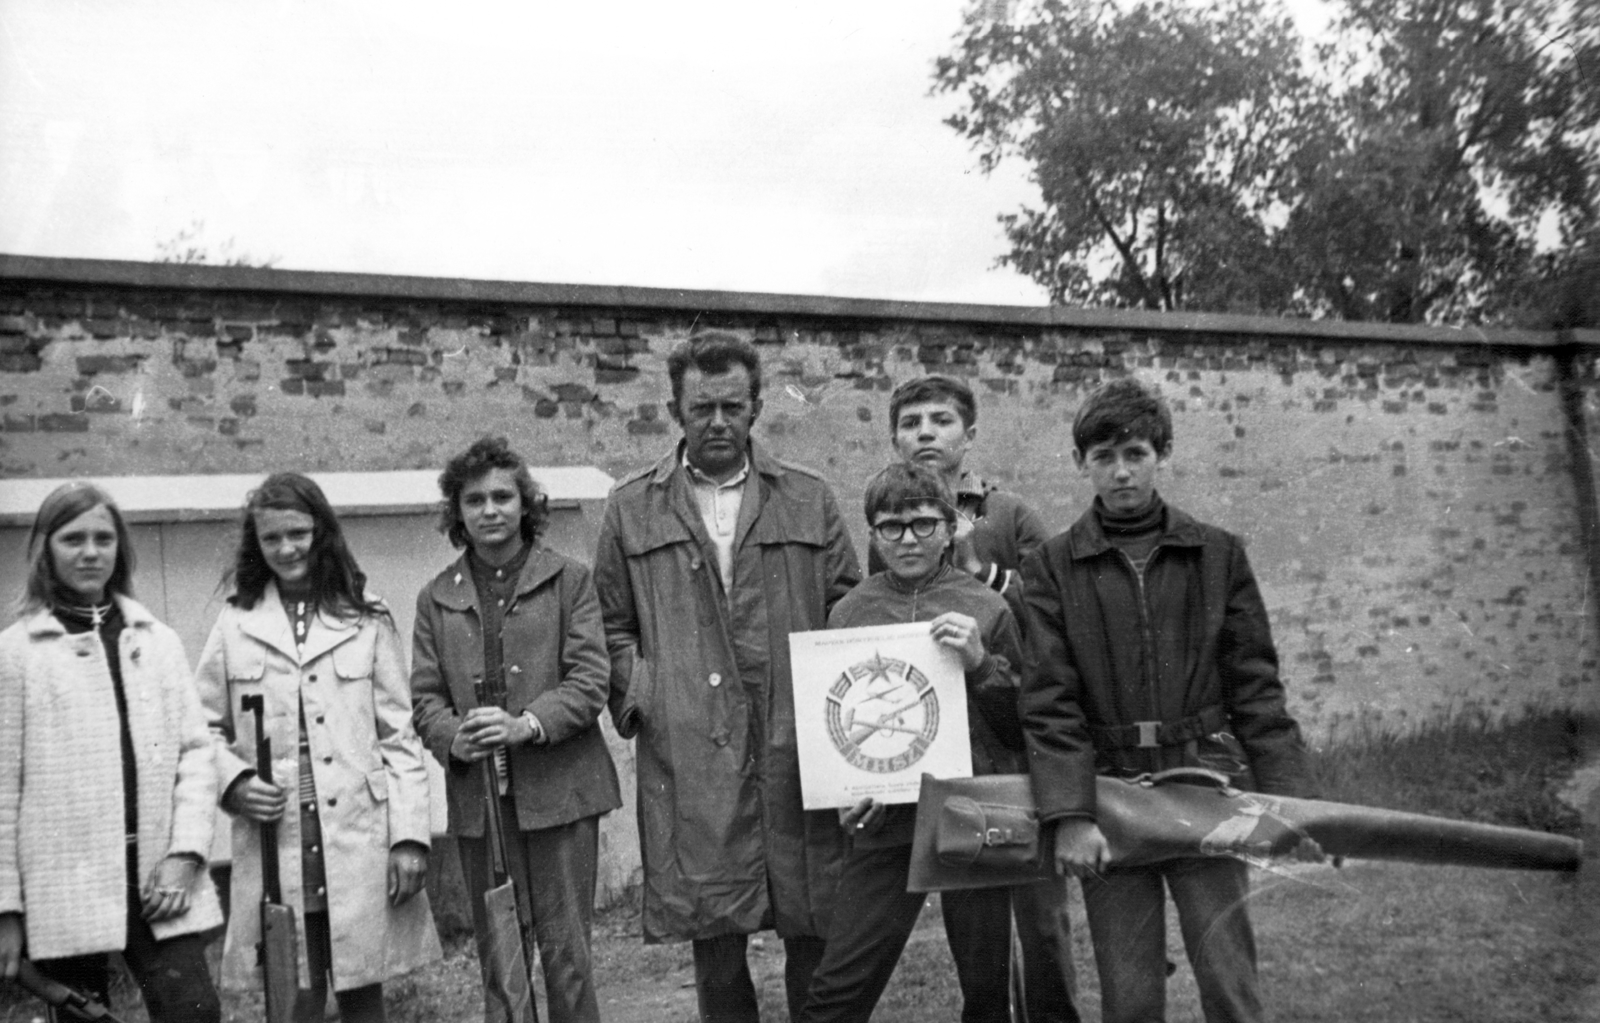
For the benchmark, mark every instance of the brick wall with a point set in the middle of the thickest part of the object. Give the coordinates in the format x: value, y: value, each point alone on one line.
x: 1408, y: 492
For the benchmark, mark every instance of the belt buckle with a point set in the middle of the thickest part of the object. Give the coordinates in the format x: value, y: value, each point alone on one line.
x: 1147, y: 733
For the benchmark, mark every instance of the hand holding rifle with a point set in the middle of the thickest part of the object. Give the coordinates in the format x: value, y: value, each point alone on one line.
x: 279, y: 939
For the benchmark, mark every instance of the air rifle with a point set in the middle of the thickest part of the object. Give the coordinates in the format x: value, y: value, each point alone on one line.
x: 70, y: 1003
x: 279, y: 947
x: 984, y: 832
x: 506, y: 956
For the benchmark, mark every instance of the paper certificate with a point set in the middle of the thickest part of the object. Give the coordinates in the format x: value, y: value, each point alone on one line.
x: 876, y: 708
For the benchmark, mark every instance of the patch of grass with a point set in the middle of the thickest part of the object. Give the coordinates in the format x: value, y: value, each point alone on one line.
x: 1465, y: 764
x: 1374, y: 942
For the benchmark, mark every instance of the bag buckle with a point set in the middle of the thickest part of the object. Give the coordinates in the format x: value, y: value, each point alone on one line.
x: 1147, y: 733
x: 993, y: 836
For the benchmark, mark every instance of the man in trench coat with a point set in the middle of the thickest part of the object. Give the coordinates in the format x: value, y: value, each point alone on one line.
x: 707, y: 561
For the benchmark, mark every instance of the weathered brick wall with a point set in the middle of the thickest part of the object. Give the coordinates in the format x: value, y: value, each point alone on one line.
x: 1407, y: 496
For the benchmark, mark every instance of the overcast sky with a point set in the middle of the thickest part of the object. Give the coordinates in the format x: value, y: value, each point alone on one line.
x: 753, y: 146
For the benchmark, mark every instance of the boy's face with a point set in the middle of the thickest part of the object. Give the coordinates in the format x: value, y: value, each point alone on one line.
x: 911, y: 558
x: 934, y: 434
x: 1123, y: 472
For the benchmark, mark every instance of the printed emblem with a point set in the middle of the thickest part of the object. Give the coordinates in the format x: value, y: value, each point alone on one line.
x: 882, y: 714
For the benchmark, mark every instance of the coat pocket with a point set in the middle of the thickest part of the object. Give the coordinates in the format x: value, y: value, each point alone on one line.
x: 636, y: 705
x: 378, y: 785
x: 353, y: 658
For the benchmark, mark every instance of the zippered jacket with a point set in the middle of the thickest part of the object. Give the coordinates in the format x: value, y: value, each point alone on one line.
x: 1129, y: 674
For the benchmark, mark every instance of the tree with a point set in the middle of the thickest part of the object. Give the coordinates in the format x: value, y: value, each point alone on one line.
x: 1410, y: 171
x: 1162, y: 138
x: 1465, y: 138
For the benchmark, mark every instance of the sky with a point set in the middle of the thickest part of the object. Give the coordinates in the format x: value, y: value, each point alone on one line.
x: 769, y: 146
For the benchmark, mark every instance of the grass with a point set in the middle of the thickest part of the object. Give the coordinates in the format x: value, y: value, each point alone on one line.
x: 1378, y: 942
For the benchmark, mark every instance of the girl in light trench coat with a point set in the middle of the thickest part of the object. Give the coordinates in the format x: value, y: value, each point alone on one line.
x: 353, y: 836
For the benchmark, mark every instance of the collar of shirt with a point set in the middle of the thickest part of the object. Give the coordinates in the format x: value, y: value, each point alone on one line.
x: 719, y: 505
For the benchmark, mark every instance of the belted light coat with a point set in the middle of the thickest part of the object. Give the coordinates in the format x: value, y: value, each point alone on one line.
x: 702, y: 677
x: 371, y: 782
x: 63, y: 860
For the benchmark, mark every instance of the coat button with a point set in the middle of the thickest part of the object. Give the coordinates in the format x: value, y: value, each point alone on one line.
x: 515, y: 670
x: 715, y: 680
x: 327, y: 760
x: 311, y: 678
x: 319, y: 719
x: 333, y: 800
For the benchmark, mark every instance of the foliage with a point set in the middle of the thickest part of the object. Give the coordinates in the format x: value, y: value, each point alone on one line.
x: 191, y: 246
x: 1205, y: 158
x: 1159, y: 137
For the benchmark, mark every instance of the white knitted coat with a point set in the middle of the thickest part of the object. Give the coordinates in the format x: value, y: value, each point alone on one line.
x: 62, y: 850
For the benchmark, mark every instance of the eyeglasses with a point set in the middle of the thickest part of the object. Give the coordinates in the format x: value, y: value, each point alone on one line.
x: 921, y: 528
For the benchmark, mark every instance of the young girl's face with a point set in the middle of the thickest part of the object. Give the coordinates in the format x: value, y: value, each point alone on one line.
x: 83, y: 553
x: 285, y: 536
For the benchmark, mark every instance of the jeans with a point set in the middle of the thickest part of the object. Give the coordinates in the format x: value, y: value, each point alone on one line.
x: 1127, y: 920
x: 555, y: 870
x: 172, y: 974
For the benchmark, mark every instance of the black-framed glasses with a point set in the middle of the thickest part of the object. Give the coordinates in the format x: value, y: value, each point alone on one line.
x: 921, y: 528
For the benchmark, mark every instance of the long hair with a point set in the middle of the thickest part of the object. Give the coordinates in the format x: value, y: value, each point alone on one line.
x: 485, y: 455
x: 64, y: 504
x: 337, y: 583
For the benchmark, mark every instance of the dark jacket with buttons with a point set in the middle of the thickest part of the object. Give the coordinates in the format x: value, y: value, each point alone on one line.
x: 1188, y: 646
x: 702, y: 678
x: 553, y: 648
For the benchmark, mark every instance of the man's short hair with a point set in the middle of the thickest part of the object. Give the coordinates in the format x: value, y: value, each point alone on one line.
x: 905, y: 485
x: 713, y: 353
x: 934, y: 388
x: 1122, y: 410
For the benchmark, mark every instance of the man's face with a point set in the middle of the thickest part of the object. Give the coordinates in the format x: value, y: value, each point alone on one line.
x: 716, y: 413
x: 1123, y: 472
x: 934, y: 434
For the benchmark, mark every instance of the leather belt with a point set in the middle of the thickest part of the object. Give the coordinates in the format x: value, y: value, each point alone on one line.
x: 1154, y: 734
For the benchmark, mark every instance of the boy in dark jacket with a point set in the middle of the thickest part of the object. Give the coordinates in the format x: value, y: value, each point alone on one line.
x: 913, y: 528
x: 1149, y: 649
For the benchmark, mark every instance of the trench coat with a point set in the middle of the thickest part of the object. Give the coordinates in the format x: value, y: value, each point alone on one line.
x: 555, y: 666
x: 702, y: 678
x: 63, y: 856
x: 371, y: 782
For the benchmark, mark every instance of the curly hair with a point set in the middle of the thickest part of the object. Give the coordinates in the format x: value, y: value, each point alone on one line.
x: 337, y: 583
x: 60, y: 507
x: 487, y: 454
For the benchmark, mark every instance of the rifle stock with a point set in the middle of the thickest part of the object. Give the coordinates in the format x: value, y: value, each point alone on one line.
x: 506, y: 964
x: 279, y: 948
x: 74, y: 1004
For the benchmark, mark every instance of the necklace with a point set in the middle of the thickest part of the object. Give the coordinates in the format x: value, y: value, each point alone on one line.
x: 95, y: 614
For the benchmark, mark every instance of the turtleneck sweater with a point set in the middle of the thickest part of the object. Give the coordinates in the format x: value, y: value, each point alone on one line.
x: 1136, y: 533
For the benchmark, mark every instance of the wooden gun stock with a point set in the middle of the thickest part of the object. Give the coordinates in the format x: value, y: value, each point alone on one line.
x: 71, y: 1003
x: 506, y: 962
x: 279, y: 949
